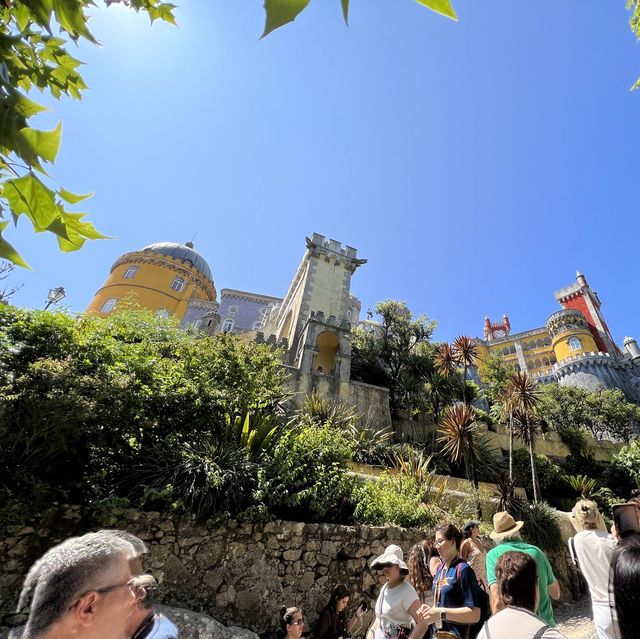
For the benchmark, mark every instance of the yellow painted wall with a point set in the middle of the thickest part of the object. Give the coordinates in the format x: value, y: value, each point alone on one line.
x: 561, y: 343
x: 151, y: 285
x: 328, y: 282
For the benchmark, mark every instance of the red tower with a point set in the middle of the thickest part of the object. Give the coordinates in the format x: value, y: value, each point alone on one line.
x: 495, y: 330
x: 581, y: 297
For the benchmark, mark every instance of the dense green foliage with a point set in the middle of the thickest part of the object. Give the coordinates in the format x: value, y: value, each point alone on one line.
x: 131, y: 409
x: 541, y: 527
x: 393, y: 499
x: 397, y: 357
x: 627, y: 461
x: 603, y: 413
x: 84, y: 400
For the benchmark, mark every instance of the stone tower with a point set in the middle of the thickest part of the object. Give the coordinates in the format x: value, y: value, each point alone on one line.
x: 580, y: 297
x: 313, y: 319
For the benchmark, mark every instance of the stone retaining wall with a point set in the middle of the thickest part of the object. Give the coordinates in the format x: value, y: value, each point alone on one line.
x: 240, y: 574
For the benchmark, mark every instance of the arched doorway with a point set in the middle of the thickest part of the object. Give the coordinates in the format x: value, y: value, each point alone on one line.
x: 328, y: 346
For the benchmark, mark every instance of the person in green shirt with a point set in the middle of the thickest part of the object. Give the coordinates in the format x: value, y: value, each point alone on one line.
x: 506, y: 533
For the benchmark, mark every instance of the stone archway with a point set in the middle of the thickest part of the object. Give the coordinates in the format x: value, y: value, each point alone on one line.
x: 328, y: 346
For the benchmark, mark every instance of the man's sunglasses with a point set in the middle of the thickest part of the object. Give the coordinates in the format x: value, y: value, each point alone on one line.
x: 139, y: 586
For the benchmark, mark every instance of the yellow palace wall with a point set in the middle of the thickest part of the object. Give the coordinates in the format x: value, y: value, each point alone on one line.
x: 150, y: 287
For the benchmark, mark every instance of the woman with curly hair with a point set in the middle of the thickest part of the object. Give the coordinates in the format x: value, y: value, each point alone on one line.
x: 423, y: 564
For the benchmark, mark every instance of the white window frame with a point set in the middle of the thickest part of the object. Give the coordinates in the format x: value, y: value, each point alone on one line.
x: 130, y: 272
x: 109, y: 305
x: 178, y: 284
x: 227, y: 325
x: 163, y: 312
x: 574, y: 343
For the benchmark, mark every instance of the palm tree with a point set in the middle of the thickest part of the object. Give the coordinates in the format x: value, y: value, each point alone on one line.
x: 466, y: 350
x: 440, y: 391
x: 446, y: 360
x: 520, y: 396
x: 527, y: 430
x: 457, y: 428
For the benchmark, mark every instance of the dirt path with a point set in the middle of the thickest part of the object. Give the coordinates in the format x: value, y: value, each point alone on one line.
x: 574, y: 619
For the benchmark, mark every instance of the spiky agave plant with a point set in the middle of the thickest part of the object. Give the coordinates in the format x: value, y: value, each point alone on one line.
x: 585, y: 487
x: 458, y: 428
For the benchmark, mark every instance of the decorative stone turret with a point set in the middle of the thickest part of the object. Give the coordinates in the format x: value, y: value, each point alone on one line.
x: 631, y: 347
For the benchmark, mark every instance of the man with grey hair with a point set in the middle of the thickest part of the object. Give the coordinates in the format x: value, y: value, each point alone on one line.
x: 506, y: 533
x: 145, y: 622
x: 83, y: 588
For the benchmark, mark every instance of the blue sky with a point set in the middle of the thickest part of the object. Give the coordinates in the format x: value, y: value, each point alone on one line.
x: 476, y: 165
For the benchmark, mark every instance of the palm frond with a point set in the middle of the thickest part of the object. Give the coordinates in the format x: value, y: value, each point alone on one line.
x: 457, y: 428
x: 466, y: 349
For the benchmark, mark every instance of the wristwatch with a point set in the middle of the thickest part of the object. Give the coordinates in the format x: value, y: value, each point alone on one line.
x: 443, y: 615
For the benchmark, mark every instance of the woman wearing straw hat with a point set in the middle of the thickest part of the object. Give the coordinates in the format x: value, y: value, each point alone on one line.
x: 506, y: 534
x: 397, y: 604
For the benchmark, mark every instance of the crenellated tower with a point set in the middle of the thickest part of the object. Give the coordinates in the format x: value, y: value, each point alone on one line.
x: 316, y: 314
x: 581, y: 297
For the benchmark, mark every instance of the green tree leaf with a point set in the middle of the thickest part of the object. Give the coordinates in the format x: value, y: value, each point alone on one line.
x: 279, y: 12
x: 73, y: 198
x: 7, y: 251
x: 28, y: 196
x: 71, y: 17
x: 40, y: 11
x: 45, y: 144
x: 345, y: 11
x: 442, y: 7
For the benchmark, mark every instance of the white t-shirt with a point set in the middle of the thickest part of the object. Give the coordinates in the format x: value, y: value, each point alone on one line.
x: 503, y: 623
x: 392, y: 607
x: 594, y: 550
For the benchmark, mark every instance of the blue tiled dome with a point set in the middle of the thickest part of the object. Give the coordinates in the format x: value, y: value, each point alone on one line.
x: 184, y: 253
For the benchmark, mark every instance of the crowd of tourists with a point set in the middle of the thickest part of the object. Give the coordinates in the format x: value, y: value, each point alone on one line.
x: 93, y: 587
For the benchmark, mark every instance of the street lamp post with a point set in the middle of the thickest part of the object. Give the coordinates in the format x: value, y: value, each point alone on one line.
x: 55, y: 295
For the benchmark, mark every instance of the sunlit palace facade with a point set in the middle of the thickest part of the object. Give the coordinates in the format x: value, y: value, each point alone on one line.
x: 574, y: 348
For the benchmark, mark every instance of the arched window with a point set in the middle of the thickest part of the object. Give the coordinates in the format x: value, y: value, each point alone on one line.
x: 512, y: 349
x: 177, y: 284
x: 547, y: 341
x: 574, y: 344
x: 162, y: 312
x: 539, y: 343
x: 505, y: 351
x: 130, y: 272
x: 227, y: 325
x: 109, y: 305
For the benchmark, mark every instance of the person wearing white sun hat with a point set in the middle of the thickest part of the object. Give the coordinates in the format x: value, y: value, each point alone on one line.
x: 398, y: 602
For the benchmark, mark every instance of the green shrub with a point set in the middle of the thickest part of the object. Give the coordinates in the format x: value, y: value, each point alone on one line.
x: 549, y: 474
x: 392, y: 499
x: 82, y: 397
x: 541, y: 527
x: 306, y: 474
x: 627, y: 461
x: 201, y: 476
